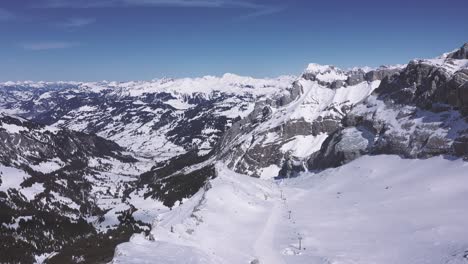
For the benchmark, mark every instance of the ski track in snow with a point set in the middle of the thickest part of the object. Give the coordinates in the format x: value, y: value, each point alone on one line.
x: 264, y: 246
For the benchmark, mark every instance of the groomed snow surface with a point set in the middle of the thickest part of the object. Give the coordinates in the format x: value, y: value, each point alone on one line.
x: 380, y: 209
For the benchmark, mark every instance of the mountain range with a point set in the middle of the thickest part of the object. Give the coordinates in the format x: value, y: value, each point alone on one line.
x: 168, y: 163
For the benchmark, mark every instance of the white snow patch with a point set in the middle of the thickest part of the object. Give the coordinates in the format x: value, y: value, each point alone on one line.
x: 179, y: 104
x: 87, y: 108
x: 12, y: 128
x: 11, y: 178
x: 48, y: 166
x: 31, y: 192
x: 304, y: 146
x: 270, y: 172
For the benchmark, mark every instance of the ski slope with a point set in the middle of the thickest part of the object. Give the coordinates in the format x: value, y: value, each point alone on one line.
x: 379, y: 209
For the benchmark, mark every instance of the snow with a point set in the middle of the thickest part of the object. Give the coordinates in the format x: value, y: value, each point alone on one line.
x: 209, y: 224
x: 377, y: 209
x: 87, y: 108
x: 407, y: 120
x: 15, y: 225
x: 108, y: 180
x: 304, y: 146
x: 228, y: 83
x: 270, y: 172
x: 48, y: 166
x: 44, y: 96
x: 210, y: 130
x: 65, y: 201
x: 93, y: 87
x: 153, y: 143
x: 270, y: 137
x: 50, y: 129
x: 31, y: 192
x: 12, y: 128
x: 180, y: 105
x: 173, y: 254
x: 40, y: 259
x: 233, y: 96
x: 383, y: 210
x: 326, y: 73
x: 449, y: 65
x: 318, y: 101
x: 9, y: 83
x: 11, y: 178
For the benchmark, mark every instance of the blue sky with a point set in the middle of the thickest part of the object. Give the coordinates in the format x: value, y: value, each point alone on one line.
x: 145, y: 39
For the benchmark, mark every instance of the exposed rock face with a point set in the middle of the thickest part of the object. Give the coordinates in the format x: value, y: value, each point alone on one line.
x: 291, y: 167
x: 291, y: 95
x: 460, y: 54
x: 413, y: 113
x: 380, y: 74
x: 429, y: 83
x: 417, y: 83
x: 455, y: 91
x: 460, y: 146
x: 282, y: 141
x: 341, y: 147
x: 375, y: 127
x: 356, y: 78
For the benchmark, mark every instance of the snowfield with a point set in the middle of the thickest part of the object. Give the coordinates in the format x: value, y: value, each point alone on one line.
x: 377, y: 209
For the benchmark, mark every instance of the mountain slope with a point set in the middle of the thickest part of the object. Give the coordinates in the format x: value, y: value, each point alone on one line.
x: 380, y: 209
x: 62, y: 190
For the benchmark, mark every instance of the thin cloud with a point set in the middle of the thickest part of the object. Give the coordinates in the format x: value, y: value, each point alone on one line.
x: 261, y: 12
x: 251, y: 8
x: 120, y: 3
x: 48, y: 45
x: 6, y: 15
x: 77, y: 22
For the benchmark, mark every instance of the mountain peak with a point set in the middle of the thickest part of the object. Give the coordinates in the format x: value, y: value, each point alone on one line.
x: 460, y: 54
x: 321, y: 68
x: 324, y: 73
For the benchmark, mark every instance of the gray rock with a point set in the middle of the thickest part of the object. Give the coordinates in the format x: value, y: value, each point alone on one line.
x: 380, y: 74
x: 294, y: 92
x: 255, y: 261
x: 418, y: 84
x: 435, y: 145
x: 337, y: 84
x: 460, y: 54
x: 291, y: 167
x: 342, y: 147
x: 460, y: 147
x: 309, y: 76
x: 355, y: 79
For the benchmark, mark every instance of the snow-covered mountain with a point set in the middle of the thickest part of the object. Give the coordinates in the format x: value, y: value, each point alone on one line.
x: 159, y: 119
x: 332, y: 116
x: 92, y: 163
x: 380, y: 209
